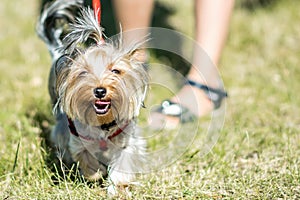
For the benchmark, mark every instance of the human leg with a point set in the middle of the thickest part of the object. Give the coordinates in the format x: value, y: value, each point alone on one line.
x: 212, y: 22
x: 134, y: 14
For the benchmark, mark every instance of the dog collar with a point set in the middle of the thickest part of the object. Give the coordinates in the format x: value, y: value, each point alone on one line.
x: 102, y: 142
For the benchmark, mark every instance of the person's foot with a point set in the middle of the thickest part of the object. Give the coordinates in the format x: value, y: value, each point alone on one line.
x: 194, y: 100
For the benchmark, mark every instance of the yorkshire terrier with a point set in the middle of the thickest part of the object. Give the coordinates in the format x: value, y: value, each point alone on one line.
x: 97, y: 89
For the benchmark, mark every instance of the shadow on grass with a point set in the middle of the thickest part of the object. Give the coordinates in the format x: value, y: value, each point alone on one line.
x: 40, y: 116
x: 252, y: 5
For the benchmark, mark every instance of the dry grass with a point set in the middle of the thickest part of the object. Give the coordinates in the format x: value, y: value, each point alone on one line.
x: 256, y: 156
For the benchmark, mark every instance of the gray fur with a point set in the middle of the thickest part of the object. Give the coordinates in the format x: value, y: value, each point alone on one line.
x: 72, y: 93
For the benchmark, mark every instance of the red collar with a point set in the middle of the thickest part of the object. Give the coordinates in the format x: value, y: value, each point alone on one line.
x: 74, y: 132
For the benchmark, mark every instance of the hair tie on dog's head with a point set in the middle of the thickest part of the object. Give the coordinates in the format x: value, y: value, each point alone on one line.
x: 97, y: 12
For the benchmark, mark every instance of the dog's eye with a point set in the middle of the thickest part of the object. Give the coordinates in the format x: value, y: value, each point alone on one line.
x: 83, y: 73
x: 115, y: 71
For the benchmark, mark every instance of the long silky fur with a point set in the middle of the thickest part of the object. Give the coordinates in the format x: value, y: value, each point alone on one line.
x: 46, y: 27
x: 85, y: 27
x: 71, y: 50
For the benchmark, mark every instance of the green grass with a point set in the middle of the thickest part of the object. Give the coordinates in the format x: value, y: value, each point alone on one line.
x: 256, y: 156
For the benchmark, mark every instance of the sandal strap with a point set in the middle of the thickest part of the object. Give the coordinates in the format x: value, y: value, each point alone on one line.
x: 170, y: 108
x: 215, y: 95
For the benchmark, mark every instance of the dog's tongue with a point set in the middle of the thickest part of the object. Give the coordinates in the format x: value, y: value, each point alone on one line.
x: 102, y: 106
x: 99, y: 102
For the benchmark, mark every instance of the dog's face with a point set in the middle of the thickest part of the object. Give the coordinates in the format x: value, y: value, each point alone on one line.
x: 101, y: 85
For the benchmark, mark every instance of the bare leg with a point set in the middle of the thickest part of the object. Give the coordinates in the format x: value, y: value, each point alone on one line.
x: 212, y: 22
x: 133, y: 14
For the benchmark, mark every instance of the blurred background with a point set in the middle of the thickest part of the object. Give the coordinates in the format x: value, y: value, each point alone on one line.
x: 257, y: 154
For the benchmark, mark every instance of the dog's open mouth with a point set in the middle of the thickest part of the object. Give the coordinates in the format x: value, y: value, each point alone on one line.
x: 102, y: 107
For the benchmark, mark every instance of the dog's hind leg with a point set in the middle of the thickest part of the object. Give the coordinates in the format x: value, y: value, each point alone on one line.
x: 60, y: 138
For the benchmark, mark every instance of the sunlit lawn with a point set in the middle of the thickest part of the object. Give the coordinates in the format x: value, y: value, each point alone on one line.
x: 256, y: 156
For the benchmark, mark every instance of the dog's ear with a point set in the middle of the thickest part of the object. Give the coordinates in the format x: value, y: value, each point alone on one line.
x: 61, y: 63
x: 139, y: 55
x: 65, y: 61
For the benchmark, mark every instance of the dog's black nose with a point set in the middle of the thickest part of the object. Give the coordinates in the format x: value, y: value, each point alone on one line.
x: 100, y: 92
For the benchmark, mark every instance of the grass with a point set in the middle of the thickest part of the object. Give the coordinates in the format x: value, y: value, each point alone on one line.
x: 255, y: 157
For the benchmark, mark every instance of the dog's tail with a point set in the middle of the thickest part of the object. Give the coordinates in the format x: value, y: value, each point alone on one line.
x: 53, y: 24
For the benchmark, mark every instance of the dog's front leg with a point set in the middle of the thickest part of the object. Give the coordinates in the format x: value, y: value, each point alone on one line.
x: 124, y: 167
x: 89, y: 164
x: 121, y: 174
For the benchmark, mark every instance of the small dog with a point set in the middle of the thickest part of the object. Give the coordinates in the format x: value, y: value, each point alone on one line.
x: 97, y: 90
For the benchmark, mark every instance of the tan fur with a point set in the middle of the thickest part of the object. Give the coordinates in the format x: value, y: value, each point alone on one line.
x: 78, y: 69
x: 93, y: 69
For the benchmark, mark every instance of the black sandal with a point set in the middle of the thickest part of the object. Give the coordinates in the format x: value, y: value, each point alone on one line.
x: 170, y: 108
x: 215, y: 95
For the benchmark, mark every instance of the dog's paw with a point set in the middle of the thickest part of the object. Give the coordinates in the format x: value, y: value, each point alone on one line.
x: 113, y: 190
x: 90, y: 166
